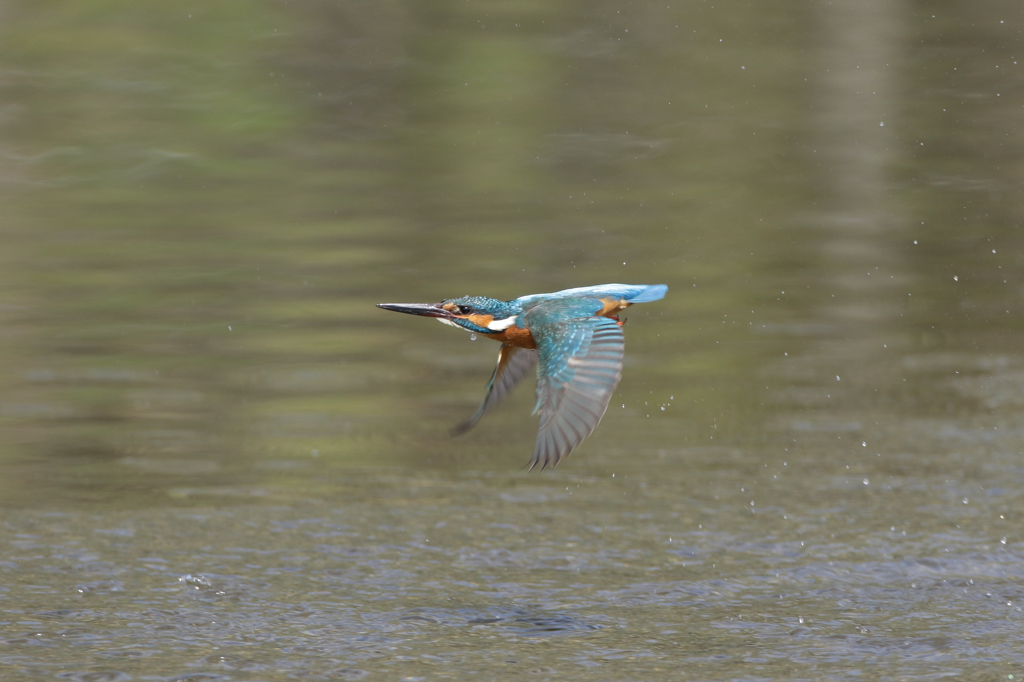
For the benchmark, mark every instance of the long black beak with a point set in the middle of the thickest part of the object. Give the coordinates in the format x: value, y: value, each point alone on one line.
x: 425, y: 309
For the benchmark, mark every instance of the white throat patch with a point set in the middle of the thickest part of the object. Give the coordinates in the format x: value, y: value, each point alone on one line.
x: 501, y: 325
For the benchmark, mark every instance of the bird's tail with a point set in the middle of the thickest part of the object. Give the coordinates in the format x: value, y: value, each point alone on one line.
x: 654, y: 292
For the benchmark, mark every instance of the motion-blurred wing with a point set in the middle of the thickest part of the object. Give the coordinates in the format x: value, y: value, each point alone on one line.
x: 580, y: 365
x: 513, y: 365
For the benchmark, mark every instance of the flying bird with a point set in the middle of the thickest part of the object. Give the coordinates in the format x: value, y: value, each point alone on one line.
x: 574, y: 339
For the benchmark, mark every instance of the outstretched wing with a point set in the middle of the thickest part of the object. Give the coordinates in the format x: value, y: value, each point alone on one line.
x: 513, y: 365
x: 580, y: 365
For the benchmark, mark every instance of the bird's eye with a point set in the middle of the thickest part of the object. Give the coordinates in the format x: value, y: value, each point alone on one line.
x: 465, y: 309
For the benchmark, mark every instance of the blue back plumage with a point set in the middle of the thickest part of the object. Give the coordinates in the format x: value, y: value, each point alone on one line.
x: 631, y: 293
x: 634, y: 293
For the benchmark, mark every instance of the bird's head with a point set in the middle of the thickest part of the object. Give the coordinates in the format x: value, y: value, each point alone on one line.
x: 477, y: 314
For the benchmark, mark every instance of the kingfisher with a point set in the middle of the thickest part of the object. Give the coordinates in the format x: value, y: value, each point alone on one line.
x: 574, y: 339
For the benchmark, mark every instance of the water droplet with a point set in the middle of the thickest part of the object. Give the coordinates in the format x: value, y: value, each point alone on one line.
x: 472, y: 337
x: 866, y: 482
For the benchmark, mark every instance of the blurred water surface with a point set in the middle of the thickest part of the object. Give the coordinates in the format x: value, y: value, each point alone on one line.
x: 218, y: 461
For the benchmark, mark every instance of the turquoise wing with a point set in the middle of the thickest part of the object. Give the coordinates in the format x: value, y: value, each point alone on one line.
x: 580, y: 364
x: 513, y: 366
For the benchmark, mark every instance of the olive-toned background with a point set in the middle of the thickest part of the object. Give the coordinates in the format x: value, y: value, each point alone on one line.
x: 219, y: 461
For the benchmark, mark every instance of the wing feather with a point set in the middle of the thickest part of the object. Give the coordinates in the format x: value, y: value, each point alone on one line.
x: 580, y: 366
x: 514, y: 364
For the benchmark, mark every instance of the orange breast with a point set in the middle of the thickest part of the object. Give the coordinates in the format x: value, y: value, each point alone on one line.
x: 514, y: 336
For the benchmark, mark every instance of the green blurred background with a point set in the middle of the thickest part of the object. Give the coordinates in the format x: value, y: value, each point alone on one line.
x: 201, y: 204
